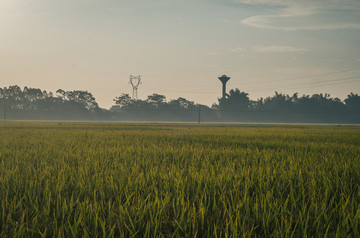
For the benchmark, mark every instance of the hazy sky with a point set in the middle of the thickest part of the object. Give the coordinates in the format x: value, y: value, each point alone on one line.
x: 180, y: 47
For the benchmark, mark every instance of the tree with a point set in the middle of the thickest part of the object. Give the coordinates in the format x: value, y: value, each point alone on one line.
x: 353, y: 102
x: 319, y: 103
x: 13, y: 96
x: 235, y: 101
x: 156, y: 100
x: 181, y: 103
x: 79, y: 99
x: 124, y: 100
x: 278, y: 102
x: 35, y: 99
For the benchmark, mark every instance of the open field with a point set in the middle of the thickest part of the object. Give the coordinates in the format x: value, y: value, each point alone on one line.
x: 148, y: 180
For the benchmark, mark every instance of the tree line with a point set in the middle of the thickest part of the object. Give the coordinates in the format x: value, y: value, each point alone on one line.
x: 33, y: 103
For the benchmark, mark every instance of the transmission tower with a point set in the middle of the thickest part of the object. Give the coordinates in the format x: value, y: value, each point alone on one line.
x: 135, y: 81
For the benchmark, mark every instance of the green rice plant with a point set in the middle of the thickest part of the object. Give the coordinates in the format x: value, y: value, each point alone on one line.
x: 181, y: 180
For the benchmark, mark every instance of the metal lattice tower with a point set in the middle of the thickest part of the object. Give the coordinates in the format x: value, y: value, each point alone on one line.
x: 135, y: 81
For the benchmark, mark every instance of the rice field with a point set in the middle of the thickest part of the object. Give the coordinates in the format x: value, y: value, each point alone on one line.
x: 178, y: 180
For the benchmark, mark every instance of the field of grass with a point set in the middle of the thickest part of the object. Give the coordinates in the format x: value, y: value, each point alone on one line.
x: 182, y: 180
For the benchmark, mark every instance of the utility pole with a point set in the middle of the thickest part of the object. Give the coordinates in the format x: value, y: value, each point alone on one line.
x: 5, y: 110
x: 199, y: 115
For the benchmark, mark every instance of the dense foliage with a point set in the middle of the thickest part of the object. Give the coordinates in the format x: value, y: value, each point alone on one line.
x: 30, y: 103
x: 138, y: 180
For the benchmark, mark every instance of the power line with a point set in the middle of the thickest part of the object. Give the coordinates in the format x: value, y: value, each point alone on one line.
x: 322, y: 83
x: 267, y: 81
x: 303, y: 77
x: 178, y: 91
x: 284, y: 79
x: 312, y: 60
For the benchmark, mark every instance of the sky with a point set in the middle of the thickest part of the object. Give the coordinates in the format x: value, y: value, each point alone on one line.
x: 181, y: 47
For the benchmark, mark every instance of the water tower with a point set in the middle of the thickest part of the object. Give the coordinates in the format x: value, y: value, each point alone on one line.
x: 224, y: 80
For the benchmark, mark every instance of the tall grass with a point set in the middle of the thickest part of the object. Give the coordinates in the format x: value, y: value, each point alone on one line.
x: 158, y: 180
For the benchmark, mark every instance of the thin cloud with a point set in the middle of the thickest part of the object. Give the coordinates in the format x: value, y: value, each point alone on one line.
x: 307, y: 4
x: 25, y: 15
x: 278, y: 49
x: 239, y: 49
x: 214, y: 53
x: 265, y: 21
x: 269, y: 49
x: 209, y: 66
x: 306, y: 15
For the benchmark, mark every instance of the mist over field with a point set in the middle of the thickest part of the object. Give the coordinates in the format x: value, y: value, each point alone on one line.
x: 34, y: 104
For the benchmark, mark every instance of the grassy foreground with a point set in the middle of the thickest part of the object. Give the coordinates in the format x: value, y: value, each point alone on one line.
x: 162, y: 180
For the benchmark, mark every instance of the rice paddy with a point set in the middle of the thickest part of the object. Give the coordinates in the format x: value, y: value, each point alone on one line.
x: 178, y: 180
